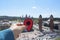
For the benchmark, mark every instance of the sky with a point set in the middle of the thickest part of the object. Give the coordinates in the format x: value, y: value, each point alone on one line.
x: 34, y: 8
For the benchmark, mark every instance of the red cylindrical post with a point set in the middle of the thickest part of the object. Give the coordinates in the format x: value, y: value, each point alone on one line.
x: 40, y: 23
x: 51, y: 23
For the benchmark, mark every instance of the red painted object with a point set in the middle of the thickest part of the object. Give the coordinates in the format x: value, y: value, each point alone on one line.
x: 29, y: 23
x: 19, y: 24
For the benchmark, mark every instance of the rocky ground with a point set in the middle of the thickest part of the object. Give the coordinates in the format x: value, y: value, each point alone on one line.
x: 37, y: 35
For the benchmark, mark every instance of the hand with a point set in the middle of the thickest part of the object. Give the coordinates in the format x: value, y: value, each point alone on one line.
x: 17, y: 28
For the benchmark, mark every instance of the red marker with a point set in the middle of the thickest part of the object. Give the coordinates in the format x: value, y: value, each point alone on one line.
x: 29, y: 23
x: 19, y: 24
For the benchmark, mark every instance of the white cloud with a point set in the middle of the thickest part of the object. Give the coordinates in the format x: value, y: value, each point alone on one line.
x: 34, y: 7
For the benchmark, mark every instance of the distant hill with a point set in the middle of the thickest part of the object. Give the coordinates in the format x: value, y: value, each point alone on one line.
x: 15, y: 18
x: 8, y: 18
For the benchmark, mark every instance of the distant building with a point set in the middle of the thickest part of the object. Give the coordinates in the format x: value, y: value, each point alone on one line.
x: 4, y: 24
x: 56, y: 25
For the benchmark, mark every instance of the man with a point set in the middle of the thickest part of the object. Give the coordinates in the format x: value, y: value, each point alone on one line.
x: 12, y: 32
